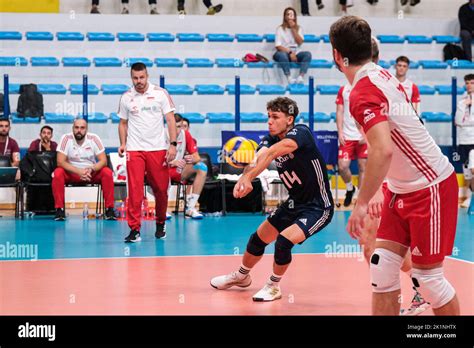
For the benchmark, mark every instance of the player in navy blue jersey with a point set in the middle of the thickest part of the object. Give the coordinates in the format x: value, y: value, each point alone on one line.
x: 308, y: 209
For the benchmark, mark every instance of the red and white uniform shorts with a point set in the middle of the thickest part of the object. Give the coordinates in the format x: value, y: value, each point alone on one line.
x: 352, y: 150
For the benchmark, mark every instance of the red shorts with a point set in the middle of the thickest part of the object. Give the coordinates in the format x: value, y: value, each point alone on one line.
x: 352, y: 150
x: 423, y: 220
x: 174, y: 175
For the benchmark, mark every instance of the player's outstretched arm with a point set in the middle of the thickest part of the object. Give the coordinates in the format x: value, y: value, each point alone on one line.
x: 123, y: 131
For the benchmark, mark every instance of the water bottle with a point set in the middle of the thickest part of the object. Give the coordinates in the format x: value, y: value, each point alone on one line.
x: 122, y: 211
x: 85, y: 212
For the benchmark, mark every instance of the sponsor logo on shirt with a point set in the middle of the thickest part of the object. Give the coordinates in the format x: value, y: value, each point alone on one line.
x: 368, y: 115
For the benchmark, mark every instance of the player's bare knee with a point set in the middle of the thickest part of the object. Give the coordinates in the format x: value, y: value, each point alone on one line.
x: 433, y: 285
x: 283, y: 248
x: 385, y: 270
x: 255, y: 245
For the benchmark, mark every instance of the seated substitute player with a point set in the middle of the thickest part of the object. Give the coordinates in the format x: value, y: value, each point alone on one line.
x: 186, y: 165
x: 308, y: 210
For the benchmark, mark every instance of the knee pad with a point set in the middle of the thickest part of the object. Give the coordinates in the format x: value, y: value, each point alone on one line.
x: 200, y: 166
x: 434, y: 287
x: 256, y: 246
x: 283, y: 250
x: 385, y: 270
x: 467, y: 172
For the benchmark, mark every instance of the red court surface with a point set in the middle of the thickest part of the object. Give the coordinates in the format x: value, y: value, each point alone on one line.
x: 314, y: 285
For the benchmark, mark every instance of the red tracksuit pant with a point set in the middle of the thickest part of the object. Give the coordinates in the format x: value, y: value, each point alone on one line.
x: 61, y: 177
x: 154, y: 165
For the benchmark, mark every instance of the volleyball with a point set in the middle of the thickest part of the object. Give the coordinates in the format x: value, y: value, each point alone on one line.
x: 239, y: 151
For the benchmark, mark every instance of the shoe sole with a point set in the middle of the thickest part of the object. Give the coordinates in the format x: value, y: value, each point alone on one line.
x: 133, y: 241
x: 164, y: 237
x: 59, y: 219
x: 240, y: 286
x: 258, y: 299
x: 417, y: 311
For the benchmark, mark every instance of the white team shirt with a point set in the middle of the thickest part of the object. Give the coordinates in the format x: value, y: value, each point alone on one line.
x: 349, y: 128
x: 417, y: 162
x: 145, y: 114
x: 284, y: 37
x: 81, y: 156
x: 465, y: 120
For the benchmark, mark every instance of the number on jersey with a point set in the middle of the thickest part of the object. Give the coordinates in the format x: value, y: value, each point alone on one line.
x: 289, y: 180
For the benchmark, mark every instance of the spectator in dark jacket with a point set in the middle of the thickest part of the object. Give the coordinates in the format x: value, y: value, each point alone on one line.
x: 466, y: 20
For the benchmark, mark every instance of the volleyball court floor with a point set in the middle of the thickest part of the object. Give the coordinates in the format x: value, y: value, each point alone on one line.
x: 83, y: 267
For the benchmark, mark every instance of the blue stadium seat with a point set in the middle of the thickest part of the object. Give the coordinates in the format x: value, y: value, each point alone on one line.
x: 321, y: 64
x: 384, y: 64
x: 413, y: 64
x: 69, y: 36
x: 10, y: 35
x: 333, y: 116
x: 260, y: 65
x: 220, y: 37
x: 51, y: 117
x: 51, y: 88
x: 390, y: 39
x: 13, y: 61
x: 179, y: 89
x: 220, y: 117
x: 436, y: 116
x: 14, y: 88
x: 169, y: 62
x: 446, y: 89
x: 95, y: 117
x: 444, y: 39
x: 433, y: 64
x: 298, y: 89
x: 107, y: 62
x: 328, y: 89
x: 244, y: 89
x: 426, y: 90
x: 318, y: 117
x: 114, y: 117
x: 271, y: 89
x: 16, y: 119
x: 311, y: 38
x: 130, y: 61
x: 418, y: 39
x: 199, y: 63
x: 100, y: 36
x: 325, y: 38
x: 269, y: 37
x: 166, y: 37
x: 229, y: 63
x: 249, y: 38
x: 460, y: 64
x: 194, y: 117
x: 190, y: 37
x: 114, y: 88
x: 76, y: 61
x: 130, y: 37
x: 253, y: 117
x: 44, y: 61
x: 77, y: 89
x: 39, y: 35
x: 209, y: 89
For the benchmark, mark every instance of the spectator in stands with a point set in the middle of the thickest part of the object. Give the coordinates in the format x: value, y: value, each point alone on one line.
x: 288, y: 39
x: 77, y: 164
x: 305, y: 7
x: 186, y: 165
x: 211, y: 10
x: 125, y: 9
x: 466, y: 20
x: 8, y: 146
x: 402, y: 64
x: 465, y: 122
x: 44, y: 143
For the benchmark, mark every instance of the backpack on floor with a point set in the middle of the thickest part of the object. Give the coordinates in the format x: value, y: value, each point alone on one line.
x: 30, y: 102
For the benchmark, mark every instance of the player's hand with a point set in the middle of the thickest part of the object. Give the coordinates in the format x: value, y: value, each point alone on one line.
x: 179, y: 163
x: 375, y: 205
x: 121, y: 150
x: 293, y: 57
x: 243, y: 187
x: 189, y: 159
x: 171, y: 154
x: 85, y: 174
x: 342, y: 141
x: 356, y: 220
x: 291, y: 23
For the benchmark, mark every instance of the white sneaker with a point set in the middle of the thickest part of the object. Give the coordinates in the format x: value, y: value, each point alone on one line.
x: 229, y: 280
x: 292, y: 81
x: 270, y: 292
x: 300, y: 80
x: 168, y: 216
x: 466, y: 203
x: 194, y: 214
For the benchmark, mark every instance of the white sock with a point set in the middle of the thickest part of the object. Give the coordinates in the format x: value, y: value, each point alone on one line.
x: 192, y: 200
x: 153, y: 7
x: 349, y: 186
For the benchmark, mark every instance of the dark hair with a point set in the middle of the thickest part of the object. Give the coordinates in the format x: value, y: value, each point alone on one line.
x: 351, y: 36
x: 403, y: 59
x: 468, y: 77
x: 178, y: 117
x: 284, y: 13
x: 46, y: 127
x: 138, y: 66
x: 5, y: 120
x: 375, y: 50
x: 186, y: 120
x: 284, y: 104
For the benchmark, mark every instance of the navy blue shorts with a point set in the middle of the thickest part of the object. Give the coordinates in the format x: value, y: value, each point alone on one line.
x: 310, y: 217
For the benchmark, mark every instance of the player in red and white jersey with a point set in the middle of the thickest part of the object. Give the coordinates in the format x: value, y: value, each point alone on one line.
x: 418, y: 206
x: 142, y: 133
x: 402, y: 64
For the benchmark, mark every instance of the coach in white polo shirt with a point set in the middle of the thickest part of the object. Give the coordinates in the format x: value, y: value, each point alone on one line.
x: 142, y: 133
x: 76, y: 154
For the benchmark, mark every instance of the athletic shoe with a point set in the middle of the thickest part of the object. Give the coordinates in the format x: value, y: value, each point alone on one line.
x: 418, y: 306
x: 182, y: 13
x: 194, y: 214
x: 320, y: 6
x: 403, y: 2
x: 270, y: 292
x: 133, y: 237
x: 466, y: 203
x: 168, y: 216
x: 214, y: 9
x: 160, y: 231
x: 154, y: 11
x: 291, y: 81
x: 414, y: 2
x: 110, y: 214
x: 60, y: 214
x: 300, y: 80
x: 95, y: 9
x: 348, y: 198
x: 229, y: 280
x: 125, y: 10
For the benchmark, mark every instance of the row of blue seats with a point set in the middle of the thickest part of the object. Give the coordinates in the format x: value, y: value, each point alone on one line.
x: 216, y: 37
x: 212, y: 117
x: 206, y: 89
x: 206, y: 63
